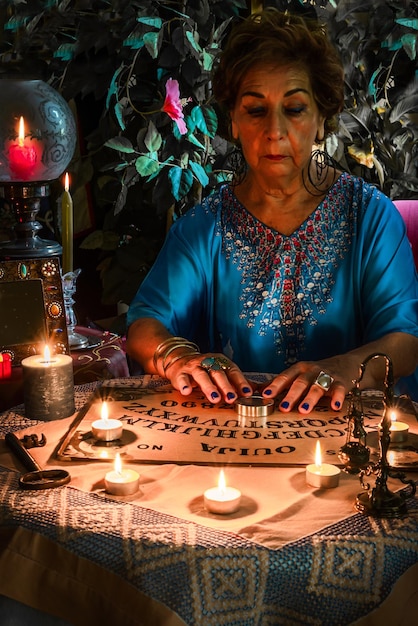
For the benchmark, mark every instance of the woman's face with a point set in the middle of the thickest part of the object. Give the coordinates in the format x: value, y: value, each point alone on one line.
x: 276, y: 120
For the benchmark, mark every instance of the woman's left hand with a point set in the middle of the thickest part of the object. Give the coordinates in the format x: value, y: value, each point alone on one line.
x: 306, y: 382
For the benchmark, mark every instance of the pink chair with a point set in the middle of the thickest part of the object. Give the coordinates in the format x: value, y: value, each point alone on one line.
x: 409, y: 211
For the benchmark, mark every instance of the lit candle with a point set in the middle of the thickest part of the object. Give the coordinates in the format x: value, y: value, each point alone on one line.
x: 398, y: 430
x: 48, y: 386
x: 106, y: 429
x: 67, y: 228
x: 222, y: 499
x: 121, y: 482
x: 5, y: 365
x: 322, y: 475
x: 22, y: 155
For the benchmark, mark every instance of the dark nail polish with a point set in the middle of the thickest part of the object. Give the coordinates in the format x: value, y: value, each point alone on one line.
x: 185, y: 387
x: 230, y: 395
x: 305, y: 406
x: 246, y: 390
x: 267, y: 392
x: 338, y: 404
x: 285, y: 404
x: 214, y: 394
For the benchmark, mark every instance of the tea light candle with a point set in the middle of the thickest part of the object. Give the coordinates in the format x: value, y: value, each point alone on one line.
x: 222, y: 499
x: 322, y: 475
x: 106, y: 429
x: 398, y: 430
x: 121, y: 482
x: 48, y: 386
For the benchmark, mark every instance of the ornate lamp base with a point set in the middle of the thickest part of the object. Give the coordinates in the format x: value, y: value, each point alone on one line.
x: 392, y: 505
x: 25, y: 200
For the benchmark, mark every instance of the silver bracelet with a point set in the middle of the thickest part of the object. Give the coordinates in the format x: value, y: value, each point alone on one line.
x: 182, y: 344
x: 178, y: 357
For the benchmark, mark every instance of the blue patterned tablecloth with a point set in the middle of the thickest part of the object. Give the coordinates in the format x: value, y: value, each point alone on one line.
x: 210, y: 577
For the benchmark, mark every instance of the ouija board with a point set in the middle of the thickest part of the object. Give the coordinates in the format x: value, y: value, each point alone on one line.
x: 162, y: 426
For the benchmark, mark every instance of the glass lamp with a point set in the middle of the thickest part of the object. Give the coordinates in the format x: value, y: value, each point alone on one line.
x: 37, y: 142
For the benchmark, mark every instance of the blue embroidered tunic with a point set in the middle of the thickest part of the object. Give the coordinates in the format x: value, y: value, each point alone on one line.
x: 345, y: 277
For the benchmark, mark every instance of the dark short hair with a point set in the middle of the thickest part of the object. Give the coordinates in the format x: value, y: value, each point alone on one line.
x: 275, y: 39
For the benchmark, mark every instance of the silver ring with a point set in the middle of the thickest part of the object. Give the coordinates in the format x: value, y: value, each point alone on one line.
x: 324, y: 381
x: 215, y: 363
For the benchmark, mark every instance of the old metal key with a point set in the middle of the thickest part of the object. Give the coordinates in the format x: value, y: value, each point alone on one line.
x: 36, y: 477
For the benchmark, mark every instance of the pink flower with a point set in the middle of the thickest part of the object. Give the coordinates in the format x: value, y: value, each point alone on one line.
x: 173, y: 106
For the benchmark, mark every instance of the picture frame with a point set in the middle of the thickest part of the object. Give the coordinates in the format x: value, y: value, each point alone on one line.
x: 32, y: 311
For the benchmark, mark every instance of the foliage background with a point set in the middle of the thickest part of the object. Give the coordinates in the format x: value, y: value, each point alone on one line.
x: 112, y: 60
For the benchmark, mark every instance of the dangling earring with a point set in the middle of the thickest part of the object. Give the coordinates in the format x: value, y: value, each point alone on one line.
x: 237, y: 164
x: 319, y: 166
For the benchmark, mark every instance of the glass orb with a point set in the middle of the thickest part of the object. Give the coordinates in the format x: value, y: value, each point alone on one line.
x: 37, y: 131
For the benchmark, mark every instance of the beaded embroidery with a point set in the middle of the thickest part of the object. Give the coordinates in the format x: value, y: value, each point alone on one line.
x: 287, y: 280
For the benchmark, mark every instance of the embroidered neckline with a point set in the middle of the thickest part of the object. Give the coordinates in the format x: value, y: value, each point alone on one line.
x: 286, y: 280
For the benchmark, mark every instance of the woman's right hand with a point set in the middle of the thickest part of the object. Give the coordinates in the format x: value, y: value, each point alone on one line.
x: 216, y: 375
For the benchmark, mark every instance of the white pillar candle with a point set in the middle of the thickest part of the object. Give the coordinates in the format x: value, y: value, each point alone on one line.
x: 48, y: 386
x: 322, y: 475
x: 121, y: 482
x: 398, y: 430
x: 222, y: 500
x: 106, y: 429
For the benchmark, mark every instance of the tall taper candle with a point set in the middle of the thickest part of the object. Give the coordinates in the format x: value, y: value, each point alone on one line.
x: 67, y: 228
x: 48, y: 386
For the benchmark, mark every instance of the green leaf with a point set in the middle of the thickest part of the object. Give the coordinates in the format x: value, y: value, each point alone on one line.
x: 120, y: 143
x: 65, y: 52
x: 372, y: 87
x: 153, y: 139
x: 404, y: 21
x: 205, y: 119
x: 181, y: 181
x: 200, y: 173
x: 113, y: 90
x: 119, y: 115
x: 207, y: 61
x: 409, y: 43
x: 156, y: 22
x: 135, y: 42
x: 190, y: 38
x: 193, y: 140
x: 146, y: 166
x: 151, y: 43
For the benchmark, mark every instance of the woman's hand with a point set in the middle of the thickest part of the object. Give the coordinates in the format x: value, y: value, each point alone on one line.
x: 218, y: 377
x: 305, y: 383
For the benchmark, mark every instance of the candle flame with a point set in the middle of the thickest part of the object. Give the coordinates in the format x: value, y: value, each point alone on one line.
x: 393, y: 417
x: 47, y: 354
x: 66, y: 182
x: 118, y: 464
x: 318, y: 458
x: 21, y: 131
x: 221, y: 481
x: 391, y: 457
x: 104, y: 412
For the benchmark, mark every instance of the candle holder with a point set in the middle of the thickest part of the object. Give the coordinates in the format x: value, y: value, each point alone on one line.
x: 37, y: 141
x: 75, y: 340
x: 377, y: 501
x: 25, y: 200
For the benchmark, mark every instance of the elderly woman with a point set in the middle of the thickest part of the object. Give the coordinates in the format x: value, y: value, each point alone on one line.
x: 295, y: 268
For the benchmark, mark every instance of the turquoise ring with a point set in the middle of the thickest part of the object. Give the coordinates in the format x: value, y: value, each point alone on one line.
x: 215, y: 363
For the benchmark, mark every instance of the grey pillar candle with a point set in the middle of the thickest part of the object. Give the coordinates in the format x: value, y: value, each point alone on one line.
x: 48, y: 387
